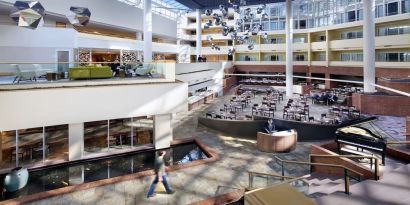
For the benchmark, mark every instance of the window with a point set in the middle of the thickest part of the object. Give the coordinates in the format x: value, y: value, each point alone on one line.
x: 392, y: 57
x: 405, y: 6
x: 379, y: 11
x: 322, y: 38
x: 351, y: 16
x: 351, y: 57
x: 392, y: 8
x: 274, y: 58
x: 9, y: 156
x: 300, y: 57
x: 56, y: 142
x: 321, y: 57
x: 302, y: 24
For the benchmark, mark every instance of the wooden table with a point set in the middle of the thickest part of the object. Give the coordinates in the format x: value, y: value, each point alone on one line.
x: 283, y: 141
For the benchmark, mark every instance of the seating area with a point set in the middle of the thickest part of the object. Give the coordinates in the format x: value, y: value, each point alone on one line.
x: 279, y: 81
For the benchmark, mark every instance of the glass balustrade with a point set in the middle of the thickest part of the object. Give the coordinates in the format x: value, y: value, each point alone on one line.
x: 17, y: 73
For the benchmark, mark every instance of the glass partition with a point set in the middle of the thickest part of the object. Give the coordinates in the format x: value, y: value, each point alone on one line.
x: 143, y: 129
x: 8, y: 149
x: 33, y: 73
x: 120, y: 133
x: 96, y: 136
x: 30, y: 145
x: 56, y: 142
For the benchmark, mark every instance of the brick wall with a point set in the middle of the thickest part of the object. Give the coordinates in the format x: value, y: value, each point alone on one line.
x: 333, y: 70
x: 315, y: 149
x: 382, y: 104
x: 408, y: 130
x: 402, y: 86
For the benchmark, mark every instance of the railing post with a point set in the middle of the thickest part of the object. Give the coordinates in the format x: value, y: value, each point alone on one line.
x: 283, y: 169
x: 376, y: 169
x: 347, y: 182
x: 250, y: 180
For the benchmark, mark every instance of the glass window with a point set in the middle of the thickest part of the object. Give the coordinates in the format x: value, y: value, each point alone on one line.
x: 56, y: 142
x: 8, y: 155
x: 143, y: 129
x: 95, y: 136
x: 120, y: 133
x: 379, y: 11
x: 405, y: 6
x: 30, y: 143
x: 351, y: 16
x: 302, y: 24
x: 392, y: 57
x: 392, y: 8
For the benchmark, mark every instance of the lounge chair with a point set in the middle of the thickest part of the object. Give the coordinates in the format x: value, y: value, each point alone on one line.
x: 23, y: 75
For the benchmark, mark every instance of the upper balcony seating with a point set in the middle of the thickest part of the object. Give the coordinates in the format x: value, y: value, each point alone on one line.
x: 88, y: 72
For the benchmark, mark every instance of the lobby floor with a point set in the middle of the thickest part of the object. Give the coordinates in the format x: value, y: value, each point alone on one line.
x: 237, y: 156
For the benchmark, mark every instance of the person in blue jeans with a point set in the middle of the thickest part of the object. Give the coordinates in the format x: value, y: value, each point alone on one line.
x: 160, y: 175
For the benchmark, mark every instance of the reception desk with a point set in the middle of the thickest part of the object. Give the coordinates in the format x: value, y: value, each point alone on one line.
x: 282, y: 141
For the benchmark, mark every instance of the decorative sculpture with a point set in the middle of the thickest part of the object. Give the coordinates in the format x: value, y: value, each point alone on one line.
x: 16, y: 179
x: 208, y: 12
x: 28, y: 14
x: 79, y: 16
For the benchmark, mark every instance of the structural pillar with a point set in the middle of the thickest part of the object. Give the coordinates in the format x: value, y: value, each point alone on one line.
x: 75, y: 141
x: 289, y: 51
x: 138, y: 36
x: 369, y: 68
x: 198, y: 33
x: 162, y: 131
x: 147, y: 31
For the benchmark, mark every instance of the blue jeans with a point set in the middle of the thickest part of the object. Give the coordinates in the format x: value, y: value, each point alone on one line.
x: 154, y: 185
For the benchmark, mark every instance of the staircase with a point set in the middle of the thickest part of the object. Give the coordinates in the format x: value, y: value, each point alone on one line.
x: 392, y: 189
x: 322, y: 185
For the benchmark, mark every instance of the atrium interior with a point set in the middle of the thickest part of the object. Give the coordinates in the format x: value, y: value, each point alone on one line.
x: 205, y: 102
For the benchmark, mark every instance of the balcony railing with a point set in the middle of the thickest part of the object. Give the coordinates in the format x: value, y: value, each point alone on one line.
x: 24, y: 75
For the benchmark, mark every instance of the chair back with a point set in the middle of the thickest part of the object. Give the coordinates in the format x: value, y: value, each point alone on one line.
x: 16, y: 68
x: 37, y: 67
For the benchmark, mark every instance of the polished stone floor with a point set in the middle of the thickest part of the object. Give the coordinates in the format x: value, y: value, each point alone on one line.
x: 237, y: 156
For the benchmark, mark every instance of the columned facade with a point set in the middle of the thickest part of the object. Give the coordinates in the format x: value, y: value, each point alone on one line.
x: 198, y: 33
x: 369, y: 70
x: 147, y: 31
x: 289, y: 52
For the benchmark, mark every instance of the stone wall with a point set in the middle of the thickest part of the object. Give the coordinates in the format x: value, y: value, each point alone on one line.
x: 382, y: 104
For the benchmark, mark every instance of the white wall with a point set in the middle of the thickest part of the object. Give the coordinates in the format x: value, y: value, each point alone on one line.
x: 45, y: 107
x: 113, y: 13
x: 105, y: 42
x: 196, y: 75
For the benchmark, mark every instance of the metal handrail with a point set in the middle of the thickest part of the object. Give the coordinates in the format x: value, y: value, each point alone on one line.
x: 376, y: 161
x: 346, y: 170
x: 398, y: 142
x: 288, y: 179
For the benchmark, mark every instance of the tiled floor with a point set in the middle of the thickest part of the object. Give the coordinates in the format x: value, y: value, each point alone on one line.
x: 237, y: 156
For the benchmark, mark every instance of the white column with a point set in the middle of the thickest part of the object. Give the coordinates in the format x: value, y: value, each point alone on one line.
x: 369, y: 68
x: 75, y: 141
x: 162, y: 131
x: 138, y: 36
x: 198, y: 33
x: 289, y: 51
x: 147, y: 31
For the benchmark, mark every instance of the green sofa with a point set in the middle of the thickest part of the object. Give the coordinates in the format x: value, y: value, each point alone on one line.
x: 90, y: 72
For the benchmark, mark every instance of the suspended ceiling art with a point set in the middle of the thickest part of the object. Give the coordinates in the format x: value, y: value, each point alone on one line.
x: 79, y: 16
x: 248, y: 14
x: 28, y: 14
